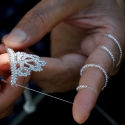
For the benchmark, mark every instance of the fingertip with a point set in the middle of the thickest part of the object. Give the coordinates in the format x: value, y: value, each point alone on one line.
x: 83, y: 104
x: 15, y: 38
x: 2, y: 48
x: 80, y: 120
x: 4, y: 59
x: 79, y: 114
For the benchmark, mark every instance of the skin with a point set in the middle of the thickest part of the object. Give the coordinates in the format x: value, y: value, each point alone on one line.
x: 77, y: 30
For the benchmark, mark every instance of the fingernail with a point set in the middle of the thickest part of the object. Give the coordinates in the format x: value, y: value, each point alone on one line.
x: 16, y: 36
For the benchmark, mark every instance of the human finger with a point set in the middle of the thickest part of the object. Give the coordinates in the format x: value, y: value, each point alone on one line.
x: 40, y: 20
x: 94, y: 78
x: 90, y: 86
x: 8, y: 93
x: 4, y: 63
x: 2, y: 49
x: 7, y: 112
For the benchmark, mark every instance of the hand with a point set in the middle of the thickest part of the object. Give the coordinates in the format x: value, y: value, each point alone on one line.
x: 84, y: 22
x: 8, y: 94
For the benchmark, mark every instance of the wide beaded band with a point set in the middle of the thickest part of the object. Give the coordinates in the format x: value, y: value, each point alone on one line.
x: 100, y: 68
x: 22, y: 64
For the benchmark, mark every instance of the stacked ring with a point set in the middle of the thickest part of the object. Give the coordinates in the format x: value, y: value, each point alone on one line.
x: 111, y: 55
x: 100, y: 68
x: 85, y: 86
x: 117, y: 43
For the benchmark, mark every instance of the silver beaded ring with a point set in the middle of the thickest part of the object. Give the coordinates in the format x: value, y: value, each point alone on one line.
x: 22, y: 64
x: 85, y: 86
x: 100, y: 68
x: 117, y: 43
x: 111, y: 55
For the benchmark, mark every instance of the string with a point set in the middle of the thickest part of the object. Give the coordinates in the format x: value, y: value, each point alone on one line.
x: 44, y: 93
x: 3, y: 80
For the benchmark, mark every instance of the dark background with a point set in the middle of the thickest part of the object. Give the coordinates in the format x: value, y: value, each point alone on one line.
x: 110, y: 106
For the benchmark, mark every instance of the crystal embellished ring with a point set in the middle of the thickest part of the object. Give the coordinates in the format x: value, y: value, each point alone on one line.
x: 22, y: 64
x: 111, y: 55
x: 100, y: 68
x: 84, y: 87
x: 118, y: 45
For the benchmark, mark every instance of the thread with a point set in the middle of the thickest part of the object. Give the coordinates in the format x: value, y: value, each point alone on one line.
x: 3, y: 80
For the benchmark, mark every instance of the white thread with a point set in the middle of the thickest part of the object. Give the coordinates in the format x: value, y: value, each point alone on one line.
x: 119, y: 47
x: 17, y: 85
x: 44, y: 94
x: 85, y: 86
x: 111, y: 55
x: 96, y: 66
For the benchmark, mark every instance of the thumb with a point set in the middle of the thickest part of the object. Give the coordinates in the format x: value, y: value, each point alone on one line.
x: 39, y: 21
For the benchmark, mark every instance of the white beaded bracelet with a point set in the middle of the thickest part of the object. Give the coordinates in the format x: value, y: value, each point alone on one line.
x: 96, y: 66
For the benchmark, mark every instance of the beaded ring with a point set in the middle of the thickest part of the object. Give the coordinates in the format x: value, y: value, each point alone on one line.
x: 111, y: 55
x: 100, y: 68
x: 85, y: 86
x: 117, y: 43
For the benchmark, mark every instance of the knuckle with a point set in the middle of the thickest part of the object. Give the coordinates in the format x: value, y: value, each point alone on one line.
x: 37, y: 17
x: 69, y: 80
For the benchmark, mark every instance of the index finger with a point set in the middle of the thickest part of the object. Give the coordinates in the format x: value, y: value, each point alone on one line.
x: 94, y: 77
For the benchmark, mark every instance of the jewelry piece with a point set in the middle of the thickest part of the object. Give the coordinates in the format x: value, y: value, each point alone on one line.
x: 100, y: 68
x: 85, y: 86
x: 22, y: 64
x: 117, y: 43
x: 33, y: 90
x: 111, y: 55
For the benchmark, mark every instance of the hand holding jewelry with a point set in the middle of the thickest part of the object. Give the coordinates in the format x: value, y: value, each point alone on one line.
x: 22, y: 64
